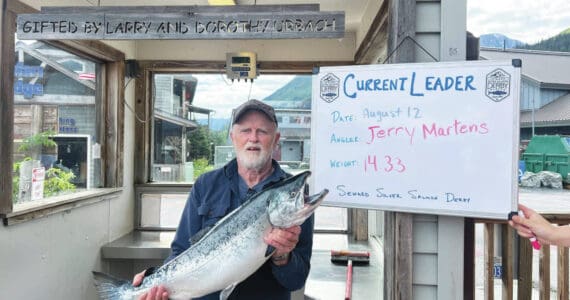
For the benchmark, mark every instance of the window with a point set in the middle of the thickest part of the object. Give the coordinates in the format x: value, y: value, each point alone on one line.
x: 192, y: 115
x: 56, y: 132
x: 61, y: 123
x: 160, y: 208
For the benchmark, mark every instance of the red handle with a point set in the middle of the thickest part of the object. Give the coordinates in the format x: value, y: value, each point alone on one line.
x: 348, y: 290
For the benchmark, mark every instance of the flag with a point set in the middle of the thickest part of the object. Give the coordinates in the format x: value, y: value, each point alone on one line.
x: 87, y: 76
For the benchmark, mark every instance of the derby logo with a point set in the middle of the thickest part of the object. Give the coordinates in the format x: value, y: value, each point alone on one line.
x: 498, y: 85
x: 329, y: 88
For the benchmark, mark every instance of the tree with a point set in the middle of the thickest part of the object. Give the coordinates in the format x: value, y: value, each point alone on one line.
x: 199, y: 143
x: 33, y: 144
x: 219, y: 138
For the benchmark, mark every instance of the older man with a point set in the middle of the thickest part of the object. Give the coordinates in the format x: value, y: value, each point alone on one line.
x: 254, y: 135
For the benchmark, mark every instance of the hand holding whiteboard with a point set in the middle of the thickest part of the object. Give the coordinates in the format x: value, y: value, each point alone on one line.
x: 438, y: 138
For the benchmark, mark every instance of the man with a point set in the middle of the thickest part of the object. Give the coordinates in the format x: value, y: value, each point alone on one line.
x: 254, y: 136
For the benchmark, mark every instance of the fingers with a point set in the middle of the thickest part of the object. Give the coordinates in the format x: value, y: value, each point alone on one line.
x: 527, y: 217
x: 532, y: 224
x: 155, y: 293
x: 526, y: 211
x: 521, y: 229
x: 521, y: 223
x: 284, y: 240
x: 294, y: 230
x: 137, y: 280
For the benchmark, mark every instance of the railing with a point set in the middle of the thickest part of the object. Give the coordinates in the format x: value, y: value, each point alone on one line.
x: 517, y: 254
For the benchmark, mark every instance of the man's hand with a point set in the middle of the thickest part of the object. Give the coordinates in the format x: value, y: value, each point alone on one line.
x: 284, y: 240
x: 155, y: 293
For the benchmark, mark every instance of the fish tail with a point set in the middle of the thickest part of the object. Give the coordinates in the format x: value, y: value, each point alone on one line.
x: 108, y: 287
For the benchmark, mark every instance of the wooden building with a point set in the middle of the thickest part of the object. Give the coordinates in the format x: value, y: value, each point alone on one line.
x: 50, y: 246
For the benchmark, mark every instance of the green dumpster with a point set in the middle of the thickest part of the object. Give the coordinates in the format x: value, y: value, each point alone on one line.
x: 548, y: 153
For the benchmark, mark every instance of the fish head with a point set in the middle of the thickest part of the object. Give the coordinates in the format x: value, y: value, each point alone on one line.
x: 289, y: 206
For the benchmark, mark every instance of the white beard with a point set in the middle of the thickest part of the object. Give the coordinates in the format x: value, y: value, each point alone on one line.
x: 253, y: 160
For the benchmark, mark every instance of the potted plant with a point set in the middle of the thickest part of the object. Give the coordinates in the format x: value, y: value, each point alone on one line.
x: 33, y: 149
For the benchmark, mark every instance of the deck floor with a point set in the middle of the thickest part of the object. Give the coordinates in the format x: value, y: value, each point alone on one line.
x: 327, y: 281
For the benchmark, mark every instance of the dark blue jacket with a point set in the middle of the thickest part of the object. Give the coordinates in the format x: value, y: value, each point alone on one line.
x: 214, y: 195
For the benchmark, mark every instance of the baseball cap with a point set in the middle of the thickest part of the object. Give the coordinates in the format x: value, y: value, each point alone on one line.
x: 257, y: 105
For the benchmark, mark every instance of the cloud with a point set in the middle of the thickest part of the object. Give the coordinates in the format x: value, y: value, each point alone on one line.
x: 527, y: 21
x: 220, y: 94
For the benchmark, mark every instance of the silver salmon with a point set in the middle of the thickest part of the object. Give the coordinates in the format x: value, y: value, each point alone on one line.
x: 228, y: 253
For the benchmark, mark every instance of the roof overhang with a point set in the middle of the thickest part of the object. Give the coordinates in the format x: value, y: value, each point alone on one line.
x: 175, y: 119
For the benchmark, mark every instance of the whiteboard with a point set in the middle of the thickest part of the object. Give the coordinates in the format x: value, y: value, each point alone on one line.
x: 436, y: 138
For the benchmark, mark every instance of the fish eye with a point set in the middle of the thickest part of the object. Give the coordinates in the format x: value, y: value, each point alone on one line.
x: 293, y: 194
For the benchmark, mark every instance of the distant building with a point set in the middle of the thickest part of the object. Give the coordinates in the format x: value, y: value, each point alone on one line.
x: 545, y: 89
x: 295, y: 128
x: 174, y: 118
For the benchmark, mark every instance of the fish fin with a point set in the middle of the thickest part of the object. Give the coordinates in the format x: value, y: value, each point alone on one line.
x: 270, y: 250
x: 108, y: 286
x: 200, y: 234
x: 225, y: 293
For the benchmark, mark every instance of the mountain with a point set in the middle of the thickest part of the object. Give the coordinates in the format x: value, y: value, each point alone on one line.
x: 294, y: 94
x: 559, y: 42
x: 497, y: 40
x: 215, y: 124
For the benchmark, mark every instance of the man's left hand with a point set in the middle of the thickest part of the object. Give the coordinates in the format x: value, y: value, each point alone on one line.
x: 283, y: 239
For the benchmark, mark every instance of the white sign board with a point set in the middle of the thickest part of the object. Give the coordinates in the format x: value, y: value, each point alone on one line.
x: 439, y: 138
x: 38, y: 178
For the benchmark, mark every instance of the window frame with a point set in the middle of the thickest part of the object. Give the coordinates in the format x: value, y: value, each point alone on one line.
x: 144, y: 92
x: 110, y: 89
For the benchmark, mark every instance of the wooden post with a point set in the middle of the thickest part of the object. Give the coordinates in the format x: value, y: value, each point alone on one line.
x: 544, y: 273
x: 562, y: 289
x: 398, y: 226
x: 37, y: 113
x: 389, y: 255
x: 507, y: 261
x: 113, y: 85
x: 142, y: 129
x: 524, y: 289
x: 469, y: 260
x: 402, y: 23
x: 403, y: 256
x: 398, y: 270
x: 488, y: 255
x: 360, y: 224
x: 6, y: 106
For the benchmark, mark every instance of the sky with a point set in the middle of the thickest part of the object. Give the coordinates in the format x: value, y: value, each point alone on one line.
x: 220, y: 94
x: 524, y: 20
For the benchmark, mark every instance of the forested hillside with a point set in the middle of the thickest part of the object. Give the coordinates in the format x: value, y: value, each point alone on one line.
x: 560, y: 42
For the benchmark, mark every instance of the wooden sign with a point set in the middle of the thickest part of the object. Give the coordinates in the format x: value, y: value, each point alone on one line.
x: 438, y: 138
x: 274, y: 22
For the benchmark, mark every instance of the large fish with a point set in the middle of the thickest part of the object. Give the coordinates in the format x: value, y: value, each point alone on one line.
x: 228, y: 253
